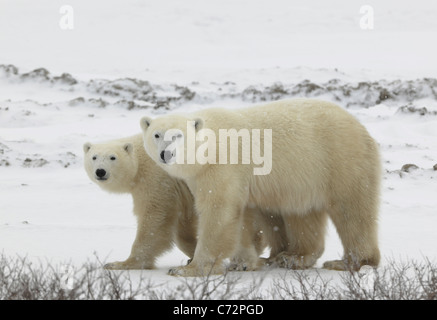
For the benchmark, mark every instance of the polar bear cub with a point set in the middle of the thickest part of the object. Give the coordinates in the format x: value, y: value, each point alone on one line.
x: 163, y: 205
x: 308, y: 160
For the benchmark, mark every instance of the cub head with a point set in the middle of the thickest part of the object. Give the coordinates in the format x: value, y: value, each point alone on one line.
x: 171, y: 141
x: 113, y: 165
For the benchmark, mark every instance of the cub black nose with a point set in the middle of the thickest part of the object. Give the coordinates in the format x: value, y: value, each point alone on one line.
x: 166, y: 155
x: 100, y: 173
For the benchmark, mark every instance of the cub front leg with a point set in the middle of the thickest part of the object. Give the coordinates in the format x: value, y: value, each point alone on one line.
x: 154, y: 237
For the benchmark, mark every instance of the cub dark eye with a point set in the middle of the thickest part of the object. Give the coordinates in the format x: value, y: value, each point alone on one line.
x: 113, y: 158
x: 94, y: 158
x: 156, y: 136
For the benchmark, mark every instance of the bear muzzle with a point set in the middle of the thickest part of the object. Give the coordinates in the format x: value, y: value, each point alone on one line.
x: 101, y: 174
x: 166, y: 156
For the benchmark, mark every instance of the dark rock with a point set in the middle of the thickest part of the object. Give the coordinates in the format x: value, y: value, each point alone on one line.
x: 384, y: 95
x: 186, y: 94
x: 76, y: 102
x: 412, y: 109
x: 8, y: 70
x: 65, y: 78
x: 39, y: 74
x: 409, y: 167
x: 100, y: 103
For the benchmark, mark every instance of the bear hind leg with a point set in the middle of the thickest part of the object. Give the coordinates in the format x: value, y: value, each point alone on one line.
x: 357, y: 228
x: 306, y: 240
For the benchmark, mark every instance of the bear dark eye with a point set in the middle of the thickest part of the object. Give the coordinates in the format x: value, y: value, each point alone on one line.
x: 157, y: 136
x: 113, y: 158
x: 94, y: 158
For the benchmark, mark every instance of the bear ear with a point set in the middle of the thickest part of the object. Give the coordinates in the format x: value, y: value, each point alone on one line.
x: 86, y: 147
x: 128, y: 147
x: 145, y: 123
x: 198, y: 123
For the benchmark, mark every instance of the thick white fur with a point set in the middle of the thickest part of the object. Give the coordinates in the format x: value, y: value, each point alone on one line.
x: 163, y: 206
x: 324, y: 163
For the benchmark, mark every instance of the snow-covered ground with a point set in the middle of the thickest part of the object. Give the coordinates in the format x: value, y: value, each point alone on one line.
x: 126, y: 59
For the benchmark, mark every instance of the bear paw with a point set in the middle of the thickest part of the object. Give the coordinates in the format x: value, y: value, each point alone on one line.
x: 293, y: 261
x: 342, y: 265
x: 193, y: 270
x: 127, y: 265
x: 245, y: 265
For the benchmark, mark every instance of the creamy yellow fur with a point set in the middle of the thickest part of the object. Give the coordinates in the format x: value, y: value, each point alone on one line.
x: 324, y: 164
x: 163, y: 206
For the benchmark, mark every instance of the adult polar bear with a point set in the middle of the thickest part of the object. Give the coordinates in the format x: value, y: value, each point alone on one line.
x: 324, y: 163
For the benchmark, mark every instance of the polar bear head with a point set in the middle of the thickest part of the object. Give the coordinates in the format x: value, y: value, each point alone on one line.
x: 112, y: 165
x: 171, y: 142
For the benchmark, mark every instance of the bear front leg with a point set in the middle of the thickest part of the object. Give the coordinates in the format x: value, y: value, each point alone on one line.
x: 154, y: 236
x: 251, y: 243
x: 219, y: 233
x: 217, y: 240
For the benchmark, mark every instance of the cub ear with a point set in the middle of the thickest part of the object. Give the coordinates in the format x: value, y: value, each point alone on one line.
x: 145, y: 123
x: 198, y: 123
x: 128, y: 147
x: 86, y: 147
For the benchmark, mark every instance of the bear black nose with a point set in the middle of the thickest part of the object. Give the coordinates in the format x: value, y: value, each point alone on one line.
x: 100, y: 173
x: 166, y: 155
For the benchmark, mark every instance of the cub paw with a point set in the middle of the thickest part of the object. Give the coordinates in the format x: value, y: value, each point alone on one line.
x: 127, y: 265
x: 194, y: 270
